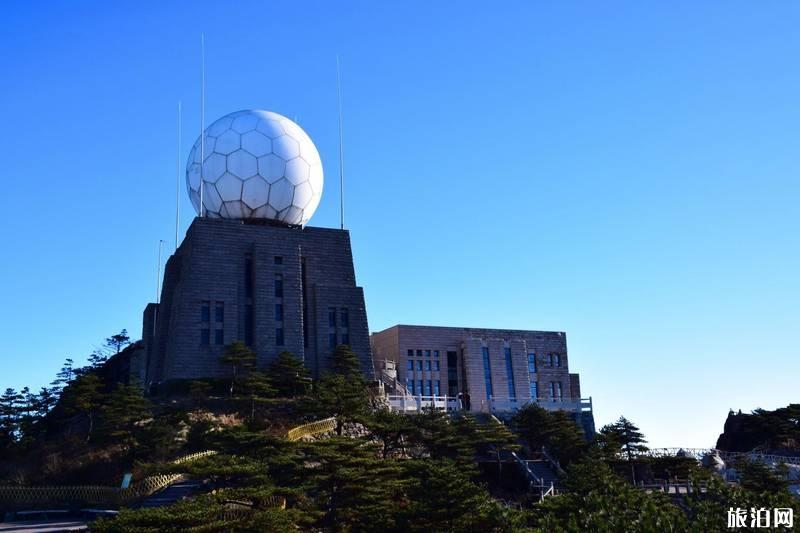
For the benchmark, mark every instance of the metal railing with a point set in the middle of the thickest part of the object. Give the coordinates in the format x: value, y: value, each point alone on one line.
x: 15, y: 497
x: 700, y: 453
x: 312, y: 428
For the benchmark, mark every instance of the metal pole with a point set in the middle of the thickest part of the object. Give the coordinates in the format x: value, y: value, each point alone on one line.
x: 178, y: 179
x: 158, y: 272
x: 341, y: 148
x: 202, y: 115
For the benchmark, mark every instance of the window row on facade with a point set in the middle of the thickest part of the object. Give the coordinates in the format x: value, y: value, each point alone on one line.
x: 423, y: 353
x: 420, y: 365
x: 424, y: 387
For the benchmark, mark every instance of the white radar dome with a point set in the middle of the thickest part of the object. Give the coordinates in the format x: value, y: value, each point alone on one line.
x: 256, y: 164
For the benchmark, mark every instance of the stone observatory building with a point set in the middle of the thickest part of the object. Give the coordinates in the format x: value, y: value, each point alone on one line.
x: 249, y: 269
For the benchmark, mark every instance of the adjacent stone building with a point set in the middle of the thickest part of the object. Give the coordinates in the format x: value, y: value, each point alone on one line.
x: 500, y: 370
x: 272, y: 286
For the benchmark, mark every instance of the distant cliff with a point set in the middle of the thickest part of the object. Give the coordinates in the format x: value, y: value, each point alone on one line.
x: 775, y: 431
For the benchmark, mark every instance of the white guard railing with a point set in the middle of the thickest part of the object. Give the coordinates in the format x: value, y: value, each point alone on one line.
x: 410, y: 403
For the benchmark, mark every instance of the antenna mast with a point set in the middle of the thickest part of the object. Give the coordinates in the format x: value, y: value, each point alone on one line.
x: 202, y: 115
x: 341, y: 149
x: 158, y: 272
x: 178, y: 179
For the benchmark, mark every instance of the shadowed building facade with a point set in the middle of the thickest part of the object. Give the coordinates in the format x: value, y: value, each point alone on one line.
x: 275, y: 287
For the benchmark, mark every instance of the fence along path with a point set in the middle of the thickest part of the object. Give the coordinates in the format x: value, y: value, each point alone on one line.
x: 15, y: 497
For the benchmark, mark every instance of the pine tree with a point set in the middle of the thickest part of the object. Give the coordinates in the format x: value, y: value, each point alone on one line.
x: 63, y: 377
x: 115, y: 343
x: 289, y: 375
x: 239, y: 357
x: 626, y: 435
x: 345, y: 362
x: 258, y: 386
x: 9, y: 418
x: 125, y: 406
x: 342, y: 397
x: 555, y: 431
x: 83, y: 396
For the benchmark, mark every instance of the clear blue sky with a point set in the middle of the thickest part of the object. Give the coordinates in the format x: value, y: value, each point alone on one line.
x: 626, y: 172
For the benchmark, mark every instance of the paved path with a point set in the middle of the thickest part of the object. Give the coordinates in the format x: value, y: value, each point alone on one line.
x: 43, y: 526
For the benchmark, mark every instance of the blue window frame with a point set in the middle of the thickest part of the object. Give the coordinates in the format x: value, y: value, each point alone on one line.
x: 532, y: 363
x: 487, y: 372
x: 512, y: 389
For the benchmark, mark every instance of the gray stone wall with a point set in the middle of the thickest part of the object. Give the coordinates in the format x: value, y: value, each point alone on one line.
x: 210, y: 266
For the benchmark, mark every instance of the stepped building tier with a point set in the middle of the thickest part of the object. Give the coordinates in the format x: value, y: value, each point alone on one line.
x: 275, y: 287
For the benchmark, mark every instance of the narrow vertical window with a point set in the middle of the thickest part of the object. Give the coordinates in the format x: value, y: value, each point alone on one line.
x: 419, y: 365
x: 427, y: 353
x: 345, y: 316
x: 205, y: 336
x: 279, y: 336
x: 278, y: 286
x: 436, y: 353
x: 278, y: 260
x: 410, y: 365
x: 436, y: 388
x: 487, y: 372
x: 552, y: 390
x: 205, y: 311
x: 436, y: 366
x: 332, y: 340
x: 219, y: 336
x: 332, y: 317
x: 219, y: 312
x: 534, y: 391
x: 557, y: 359
x: 410, y: 385
x: 410, y: 353
x: 428, y: 366
x: 427, y: 387
x: 346, y: 338
x: 532, y: 363
x: 559, y: 391
x: 512, y: 389
x: 419, y: 386
x: 279, y: 312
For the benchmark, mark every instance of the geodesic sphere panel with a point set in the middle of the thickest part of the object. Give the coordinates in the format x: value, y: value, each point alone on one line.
x: 255, y: 164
